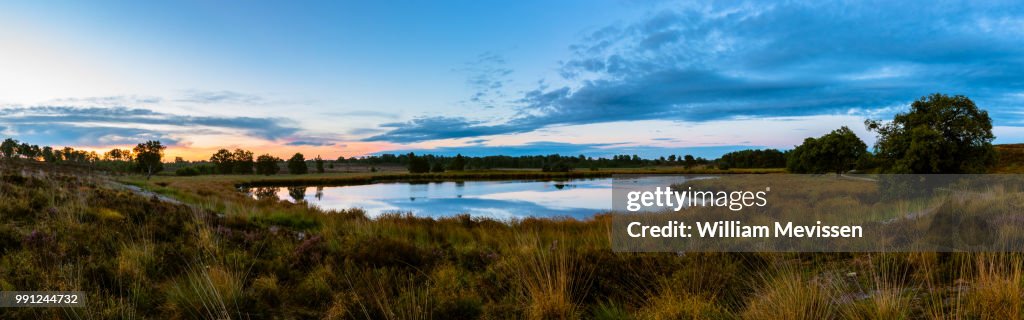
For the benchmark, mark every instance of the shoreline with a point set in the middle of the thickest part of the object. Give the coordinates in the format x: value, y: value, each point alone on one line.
x: 333, y: 180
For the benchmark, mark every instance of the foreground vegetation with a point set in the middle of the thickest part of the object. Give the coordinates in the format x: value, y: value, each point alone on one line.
x: 221, y: 254
x: 201, y: 249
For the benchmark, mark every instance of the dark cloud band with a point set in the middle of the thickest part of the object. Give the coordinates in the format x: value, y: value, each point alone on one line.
x: 724, y: 61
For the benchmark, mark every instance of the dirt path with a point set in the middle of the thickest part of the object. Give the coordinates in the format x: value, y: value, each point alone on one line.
x: 143, y: 192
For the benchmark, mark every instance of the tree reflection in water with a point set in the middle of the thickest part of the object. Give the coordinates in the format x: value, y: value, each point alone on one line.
x: 297, y: 193
x: 262, y: 193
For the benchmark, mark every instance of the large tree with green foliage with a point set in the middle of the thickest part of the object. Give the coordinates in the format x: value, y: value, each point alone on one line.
x: 267, y: 165
x: 148, y: 156
x: 838, y: 151
x: 241, y: 161
x: 223, y: 160
x: 9, y: 148
x: 940, y: 134
x: 297, y: 164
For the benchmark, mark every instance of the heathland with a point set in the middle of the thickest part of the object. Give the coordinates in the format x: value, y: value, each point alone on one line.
x: 220, y: 254
x: 195, y: 247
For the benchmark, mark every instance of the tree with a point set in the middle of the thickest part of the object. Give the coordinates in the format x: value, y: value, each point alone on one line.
x: 838, y: 151
x: 25, y: 151
x: 113, y: 155
x: 768, y: 158
x: 689, y: 161
x: 241, y: 162
x: 557, y: 166
x: 418, y: 164
x: 47, y: 154
x: 458, y: 163
x: 319, y: 164
x: 223, y: 160
x: 297, y: 164
x: 120, y: 160
x: 9, y: 148
x: 267, y: 165
x: 940, y: 134
x: 437, y: 167
x: 148, y: 155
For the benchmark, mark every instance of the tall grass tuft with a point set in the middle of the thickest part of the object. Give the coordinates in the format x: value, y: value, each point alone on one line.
x: 552, y: 278
x: 206, y: 292
x: 673, y: 303
x: 879, y: 290
x: 997, y: 291
x: 791, y: 294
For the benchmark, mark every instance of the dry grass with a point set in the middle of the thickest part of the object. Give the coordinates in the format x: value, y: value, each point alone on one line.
x: 552, y: 277
x: 788, y: 292
x: 997, y: 291
x: 1010, y: 158
x: 226, y: 255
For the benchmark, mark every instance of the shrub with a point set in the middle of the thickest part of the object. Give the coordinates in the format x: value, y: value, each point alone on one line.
x: 187, y: 171
x: 287, y: 219
x: 388, y: 252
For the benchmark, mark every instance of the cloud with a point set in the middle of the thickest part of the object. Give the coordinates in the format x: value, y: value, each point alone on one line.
x: 364, y: 131
x: 109, y: 101
x: 723, y: 61
x: 433, y: 128
x: 588, y: 149
x: 487, y: 76
x: 120, y: 125
x: 366, y: 113
x: 222, y: 96
x: 51, y: 134
x: 314, y: 143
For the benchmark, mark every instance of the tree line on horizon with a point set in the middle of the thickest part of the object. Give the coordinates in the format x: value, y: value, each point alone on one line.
x: 939, y: 134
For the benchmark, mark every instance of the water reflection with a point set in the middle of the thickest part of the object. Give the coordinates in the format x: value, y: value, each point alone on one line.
x: 262, y: 193
x: 298, y: 194
x: 497, y: 199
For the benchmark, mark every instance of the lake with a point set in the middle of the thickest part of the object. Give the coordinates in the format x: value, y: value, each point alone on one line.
x: 577, y: 198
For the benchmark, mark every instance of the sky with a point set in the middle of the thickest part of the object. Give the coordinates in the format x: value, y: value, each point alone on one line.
x: 355, y: 78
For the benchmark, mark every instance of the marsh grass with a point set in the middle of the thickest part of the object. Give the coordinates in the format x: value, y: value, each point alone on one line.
x: 785, y: 291
x: 222, y: 254
x: 879, y: 287
x: 997, y: 290
x: 553, y: 279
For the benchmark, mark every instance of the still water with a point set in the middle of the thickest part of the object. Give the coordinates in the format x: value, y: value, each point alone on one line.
x: 579, y: 198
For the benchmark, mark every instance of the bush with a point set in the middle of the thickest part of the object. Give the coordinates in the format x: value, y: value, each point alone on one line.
x: 559, y: 166
x: 289, y: 220
x: 187, y: 171
x: 437, y: 167
x: 387, y: 252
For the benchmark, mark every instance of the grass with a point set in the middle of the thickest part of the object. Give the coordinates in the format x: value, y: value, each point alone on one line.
x: 1010, y: 158
x: 221, y: 254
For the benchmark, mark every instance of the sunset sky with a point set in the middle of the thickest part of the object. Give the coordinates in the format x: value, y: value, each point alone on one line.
x: 354, y: 78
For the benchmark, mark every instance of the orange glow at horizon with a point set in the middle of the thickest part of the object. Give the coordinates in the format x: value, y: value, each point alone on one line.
x: 192, y: 153
x: 281, y: 151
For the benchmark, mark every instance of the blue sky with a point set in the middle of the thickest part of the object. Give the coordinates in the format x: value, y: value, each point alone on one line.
x: 355, y: 78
